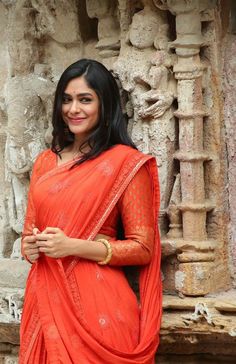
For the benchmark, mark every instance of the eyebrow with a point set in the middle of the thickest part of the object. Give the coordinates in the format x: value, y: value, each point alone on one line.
x: 79, y: 94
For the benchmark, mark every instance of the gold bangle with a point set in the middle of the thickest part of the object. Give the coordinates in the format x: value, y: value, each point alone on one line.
x: 109, y: 251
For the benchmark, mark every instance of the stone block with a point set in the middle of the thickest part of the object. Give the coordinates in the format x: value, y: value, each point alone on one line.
x: 13, y: 273
x: 194, y: 279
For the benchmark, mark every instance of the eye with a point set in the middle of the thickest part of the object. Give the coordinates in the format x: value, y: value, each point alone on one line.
x: 66, y: 99
x: 85, y: 100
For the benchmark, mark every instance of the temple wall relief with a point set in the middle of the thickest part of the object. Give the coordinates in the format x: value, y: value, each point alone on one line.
x: 200, y: 251
x: 152, y: 89
x: 172, y: 76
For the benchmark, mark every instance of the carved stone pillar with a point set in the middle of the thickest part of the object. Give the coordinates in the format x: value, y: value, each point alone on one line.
x: 196, y: 253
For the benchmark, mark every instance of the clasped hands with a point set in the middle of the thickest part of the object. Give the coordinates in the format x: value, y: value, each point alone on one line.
x: 53, y: 242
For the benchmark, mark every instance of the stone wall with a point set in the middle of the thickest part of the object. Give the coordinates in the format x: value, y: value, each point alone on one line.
x: 229, y: 85
x: 174, y: 62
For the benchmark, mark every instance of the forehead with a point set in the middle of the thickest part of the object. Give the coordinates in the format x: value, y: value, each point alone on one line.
x: 78, y: 85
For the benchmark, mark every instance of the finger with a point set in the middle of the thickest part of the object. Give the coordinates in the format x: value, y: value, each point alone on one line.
x: 36, y: 231
x: 33, y: 257
x: 51, y: 230
x: 43, y: 236
x: 43, y: 249
x: 28, y: 247
x: 29, y: 239
x: 29, y: 242
x: 31, y: 251
x: 44, y: 243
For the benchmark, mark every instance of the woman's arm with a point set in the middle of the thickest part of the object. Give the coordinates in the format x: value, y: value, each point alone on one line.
x: 137, y: 214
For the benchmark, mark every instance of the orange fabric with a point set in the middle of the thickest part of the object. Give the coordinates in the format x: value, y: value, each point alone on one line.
x: 76, y: 311
x: 134, y: 208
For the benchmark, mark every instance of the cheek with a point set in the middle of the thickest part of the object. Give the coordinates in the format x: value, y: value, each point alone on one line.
x: 63, y: 114
x: 97, y: 112
x: 64, y: 109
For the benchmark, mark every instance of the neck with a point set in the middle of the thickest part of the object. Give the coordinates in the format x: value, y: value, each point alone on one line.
x: 75, y: 147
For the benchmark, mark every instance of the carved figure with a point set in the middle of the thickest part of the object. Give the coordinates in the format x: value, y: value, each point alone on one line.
x: 106, y: 12
x: 27, y: 123
x: 144, y: 27
x: 152, y: 90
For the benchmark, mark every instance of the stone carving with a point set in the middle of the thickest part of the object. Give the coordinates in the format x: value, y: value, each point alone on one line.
x: 11, y: 306
x: 27, y: 123
x: 152, y: 91
x: 50, y: 15
x: 4, y: 225
x: 106, y: 13
x: 230, y: 124
x: 201, y: 312
x: 124, y: 7
x: 175, y: 225
x: 196, y: 265
x: 3, y: 307
x: 25, y: 96
x: 145, y: 26
x: 153, y: 72
x: 15, y: 304
x: 22, y: 46
x: 11, y: 360
x: 16, y: 251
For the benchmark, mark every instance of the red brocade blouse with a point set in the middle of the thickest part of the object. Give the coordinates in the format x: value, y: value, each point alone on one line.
x: 135, y: 210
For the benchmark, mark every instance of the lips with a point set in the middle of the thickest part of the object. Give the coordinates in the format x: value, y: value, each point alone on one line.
x: 76, y: 121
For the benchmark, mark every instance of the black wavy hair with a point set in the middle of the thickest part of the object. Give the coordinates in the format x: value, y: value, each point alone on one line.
x: 111, y: 128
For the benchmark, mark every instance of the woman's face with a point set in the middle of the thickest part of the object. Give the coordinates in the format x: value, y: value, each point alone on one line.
x: 80, y: 107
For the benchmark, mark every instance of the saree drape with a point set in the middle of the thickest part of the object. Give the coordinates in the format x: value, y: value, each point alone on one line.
x: 76, y: 311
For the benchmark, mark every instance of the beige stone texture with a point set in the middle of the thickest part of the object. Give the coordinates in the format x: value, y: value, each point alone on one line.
x: 175, y: 65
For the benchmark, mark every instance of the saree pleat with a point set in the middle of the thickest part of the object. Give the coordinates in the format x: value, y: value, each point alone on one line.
x: 76, y: 311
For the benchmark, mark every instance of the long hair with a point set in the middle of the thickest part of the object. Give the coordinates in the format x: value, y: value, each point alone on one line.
x: 111, y: 128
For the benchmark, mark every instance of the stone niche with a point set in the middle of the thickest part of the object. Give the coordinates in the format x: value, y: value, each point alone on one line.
x: 178, y: 92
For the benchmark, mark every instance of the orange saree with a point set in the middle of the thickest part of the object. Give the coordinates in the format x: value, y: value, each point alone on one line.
x: 75, y: 310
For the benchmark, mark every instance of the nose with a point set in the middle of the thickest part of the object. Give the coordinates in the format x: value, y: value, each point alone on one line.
x: 74, y: 107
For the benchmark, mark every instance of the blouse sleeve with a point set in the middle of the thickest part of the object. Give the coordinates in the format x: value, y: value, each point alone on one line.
x: 136, y: 210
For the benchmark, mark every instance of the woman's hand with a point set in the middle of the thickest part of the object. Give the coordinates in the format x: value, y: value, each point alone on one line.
x: 54, y: 243
x: 30, y: 248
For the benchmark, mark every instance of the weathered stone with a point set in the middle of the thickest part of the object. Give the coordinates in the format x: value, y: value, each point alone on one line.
x: 13, y: 273
x: 230, y: 123
x: 168, y: 56
x: 9, y: 333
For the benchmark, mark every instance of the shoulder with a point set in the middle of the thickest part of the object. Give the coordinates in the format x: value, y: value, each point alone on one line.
x: 42, y: 156
x: 129, y: 151
x: 43, y: 160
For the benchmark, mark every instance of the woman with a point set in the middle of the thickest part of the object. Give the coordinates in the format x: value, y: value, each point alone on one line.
x: 79, y: 307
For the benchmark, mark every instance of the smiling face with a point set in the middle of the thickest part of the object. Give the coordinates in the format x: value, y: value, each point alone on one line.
x: 80, y: 108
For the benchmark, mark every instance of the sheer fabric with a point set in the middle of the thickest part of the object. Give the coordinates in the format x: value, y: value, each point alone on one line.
x: 76, y: 311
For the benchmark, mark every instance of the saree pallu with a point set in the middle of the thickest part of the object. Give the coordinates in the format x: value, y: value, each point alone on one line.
x: 76, y: 311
